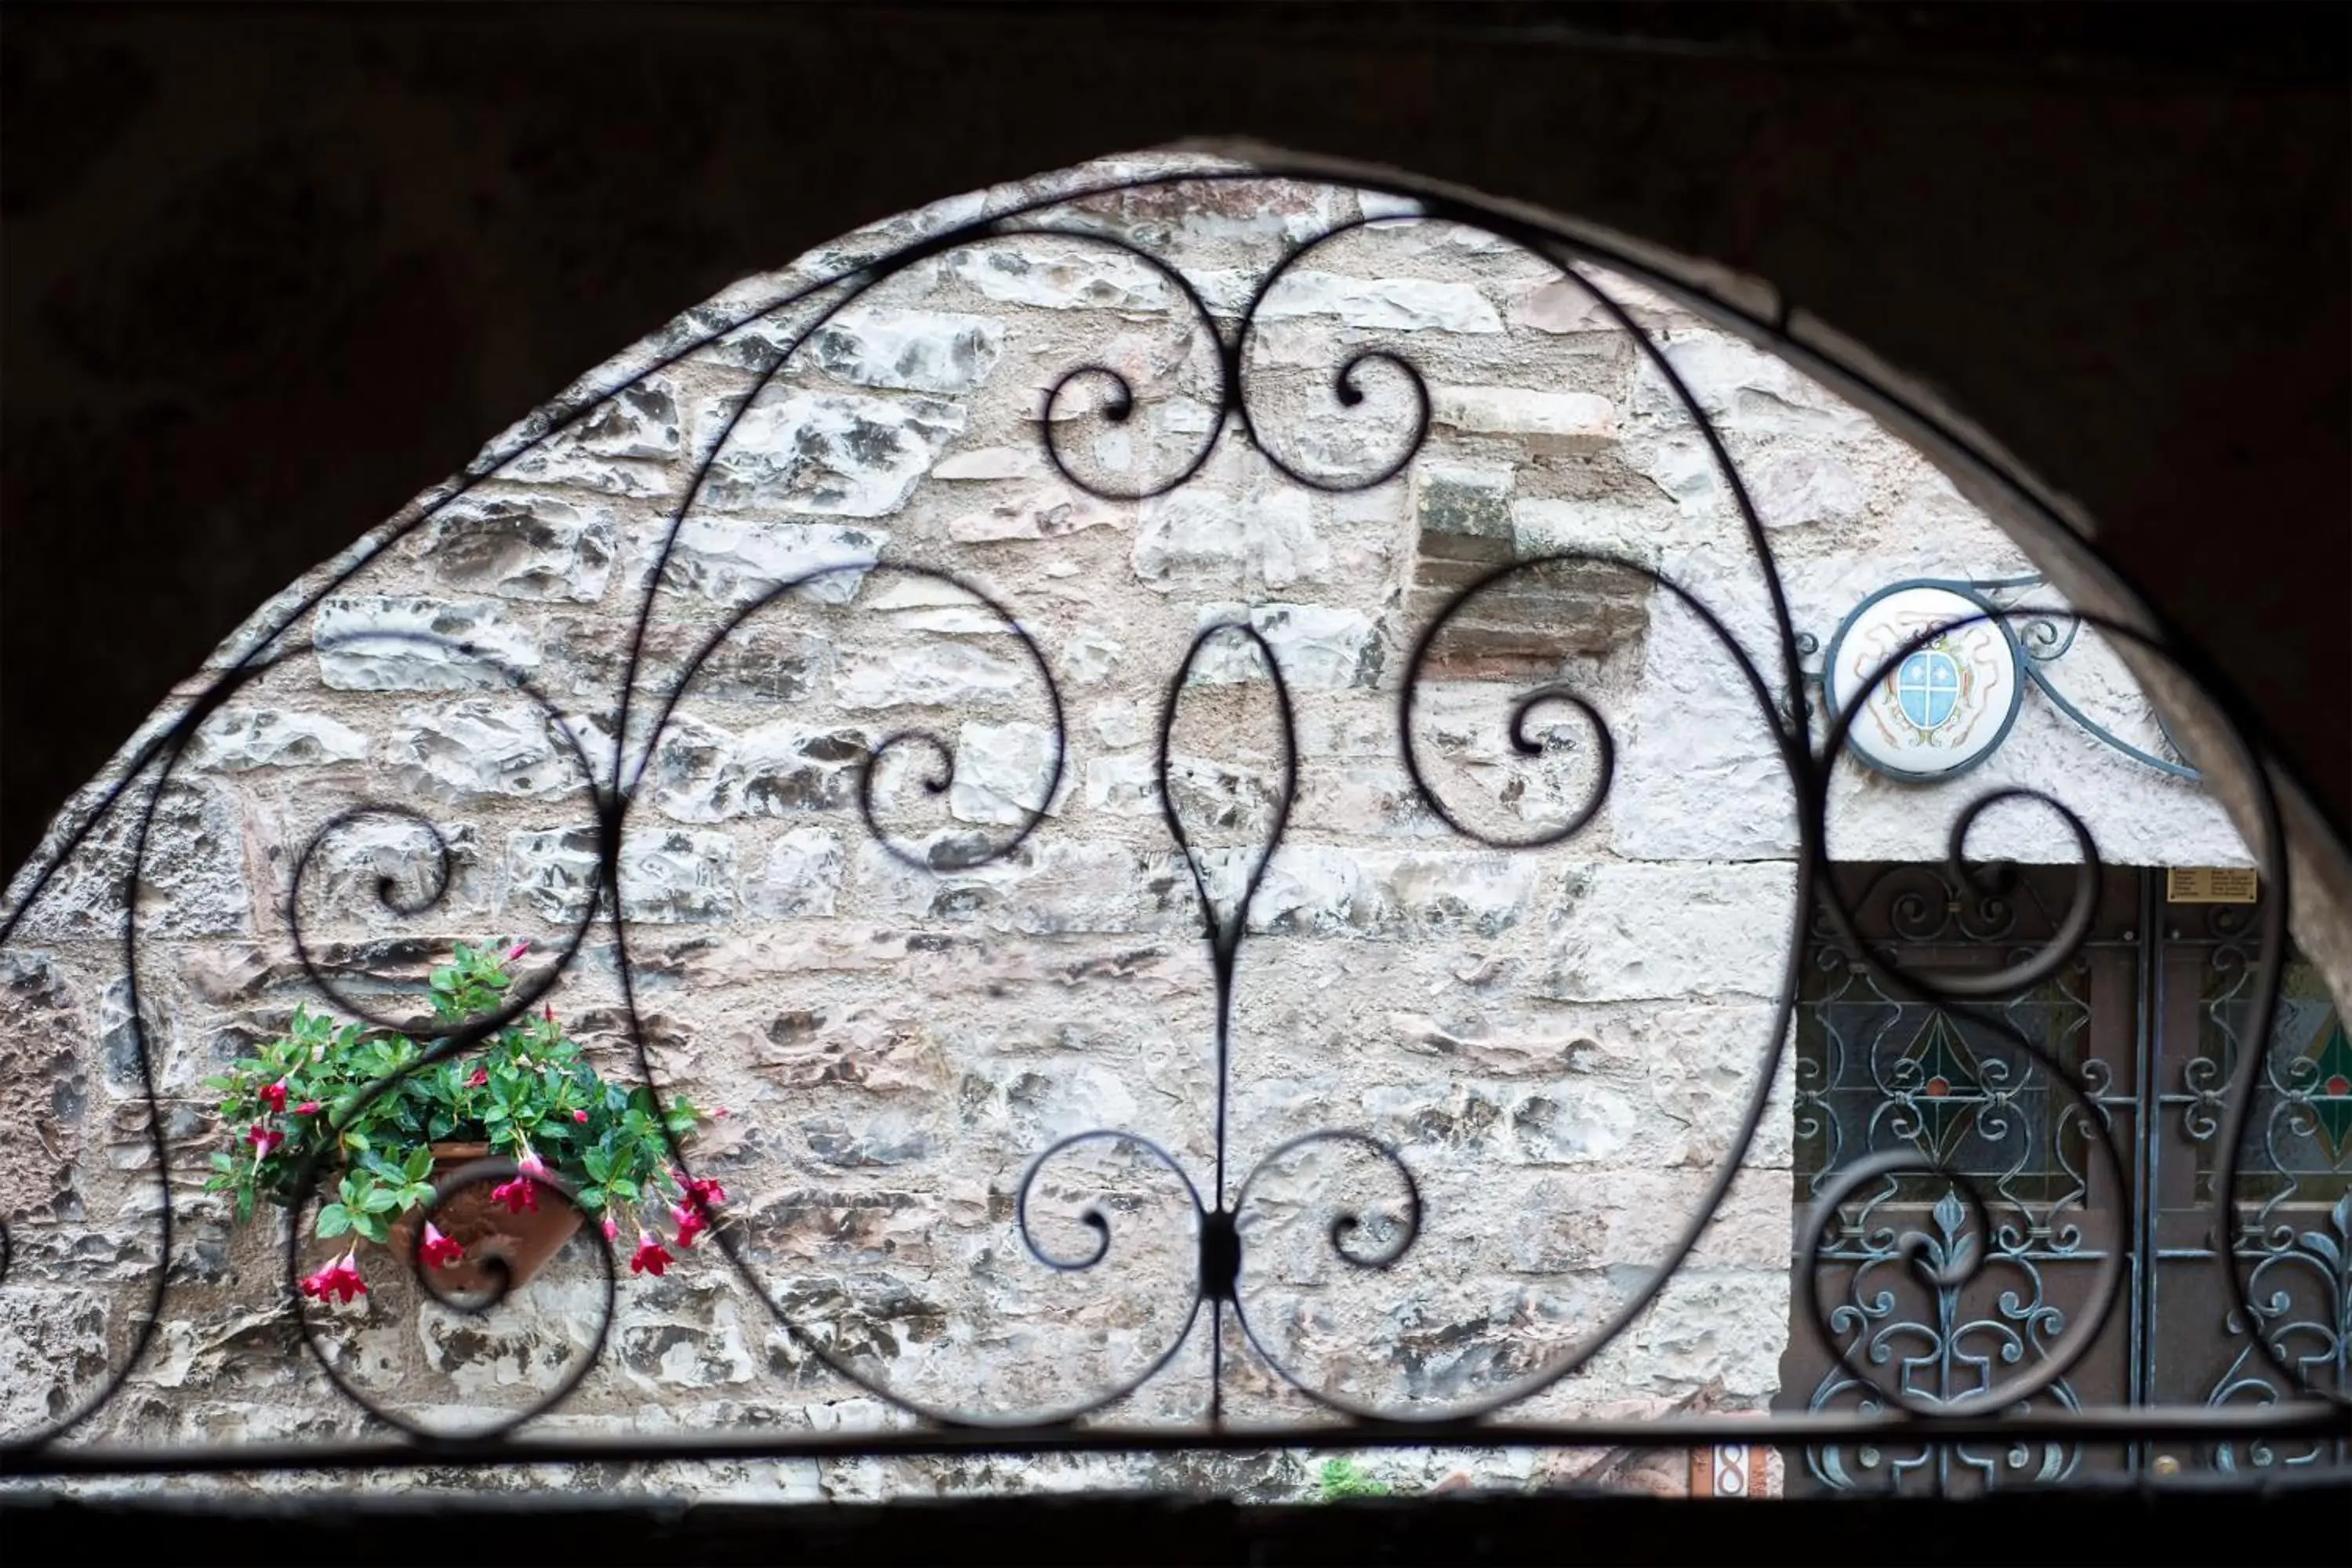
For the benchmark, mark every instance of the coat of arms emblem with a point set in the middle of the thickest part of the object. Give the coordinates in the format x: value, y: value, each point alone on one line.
x: 1940, y: 705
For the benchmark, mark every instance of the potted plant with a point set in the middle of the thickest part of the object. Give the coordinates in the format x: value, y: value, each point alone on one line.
x: 525, y: 1094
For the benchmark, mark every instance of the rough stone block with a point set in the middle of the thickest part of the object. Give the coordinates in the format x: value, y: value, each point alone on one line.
x: 379, y: 863
x: 705, y: 773
x: 1214, y: 799
x: 1440, y: 895
x: 380, y: 642
x: 732, y: 561
x: 1546, y: 421
x: 1195, y: 536
x: 1741, y: 387
x: 1627, y: 930
x: 1042, y: 511
x: 1800, y: 488
x: 1382, y: 304
x: 522, y: 547
x: 763, y: 660
x: 909, y: 351
x: 548, y: 872
x: 933, y: 673
x: 676, y: 875
x: 1320, y: 647
x: 1002, y: 773
x: 1123, y: 785
x: 1467, y: 503
x: 483, y: 746
x: 1060, y: 278
x: 830, y: 454
x: 192, y: 883
x: 801, y: 878
x: 236, y: 739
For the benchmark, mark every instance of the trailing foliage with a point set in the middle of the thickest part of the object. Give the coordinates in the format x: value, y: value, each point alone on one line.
x: 527, y: 1091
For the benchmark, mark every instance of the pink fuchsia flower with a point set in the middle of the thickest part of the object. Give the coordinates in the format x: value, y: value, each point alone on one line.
x: 481, y: 1076
x: 439, y: 1250
x: 340, y: 1279
x: 519, y: 1195
x: 611, y: 1228
x: 652, y: 1256
x: 722, y: 1113
x: 273, y: 1095
x: 530, y: 1164
x: 691, y: 1223
x: 517, y: 951
x: 263, y: 1141
x: 307, y: 1108
x: 579, y: 1116
x: 704, y: 1191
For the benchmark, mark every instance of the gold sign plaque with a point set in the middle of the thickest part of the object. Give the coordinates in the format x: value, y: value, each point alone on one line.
x: 2210, y: 885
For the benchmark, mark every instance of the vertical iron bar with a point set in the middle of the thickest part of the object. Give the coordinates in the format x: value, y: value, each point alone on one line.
x: 2147, y: 1133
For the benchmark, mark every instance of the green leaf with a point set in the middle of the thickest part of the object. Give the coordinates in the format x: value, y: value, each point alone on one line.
x: 591, y: 1198
x: 244, y: 1204
x: 333, y: 1220
x: 221, y: 1160
x: 628, y: 1189
x: 418, y: 1165
x: 379, y: 1200
x: 599, y: 1162
x: 372, y: 1226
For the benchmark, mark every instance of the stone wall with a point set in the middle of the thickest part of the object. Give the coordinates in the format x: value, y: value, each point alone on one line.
x: 1560, y: 1042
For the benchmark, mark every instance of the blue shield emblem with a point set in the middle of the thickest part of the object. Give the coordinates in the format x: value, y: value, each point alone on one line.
x: 1927, y: 688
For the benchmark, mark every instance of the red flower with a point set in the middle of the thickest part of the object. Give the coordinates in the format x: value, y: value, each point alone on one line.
x: 439, y: 1250
x: 274, y: 1095
x: 652, y: 1256
x: 481, y: 1076
x: 551, y: 1012
x: 263, y: 1140
x: 517, y: 951
x: 340, y: 1279
x: 720, y: 1112
x: 520, y: 1195
x: 691, y: 1223
x: 307, y: 1108
x: 705, y: 1191
x: 579, y: 1116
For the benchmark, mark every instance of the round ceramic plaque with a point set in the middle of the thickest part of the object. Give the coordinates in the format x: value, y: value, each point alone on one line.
x: 1943, y: 706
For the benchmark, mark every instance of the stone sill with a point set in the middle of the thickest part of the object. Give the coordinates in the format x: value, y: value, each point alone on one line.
x: 2137, y: 1526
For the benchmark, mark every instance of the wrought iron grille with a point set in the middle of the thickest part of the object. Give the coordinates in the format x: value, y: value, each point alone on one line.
x: 1966, y: 1126
x: 2145, y: 1010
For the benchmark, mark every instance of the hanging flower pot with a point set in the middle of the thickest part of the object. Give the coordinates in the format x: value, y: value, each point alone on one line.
x: 397, y: 1129
x: 483, y: 1226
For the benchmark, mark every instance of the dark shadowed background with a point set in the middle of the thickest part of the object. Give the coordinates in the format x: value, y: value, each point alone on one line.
x: 270, y: 272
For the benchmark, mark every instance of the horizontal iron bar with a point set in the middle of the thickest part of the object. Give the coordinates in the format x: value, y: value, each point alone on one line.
x: 2304, y: 1419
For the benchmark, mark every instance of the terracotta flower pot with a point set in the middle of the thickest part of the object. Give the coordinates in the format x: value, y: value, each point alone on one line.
x: 485, y: 1228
